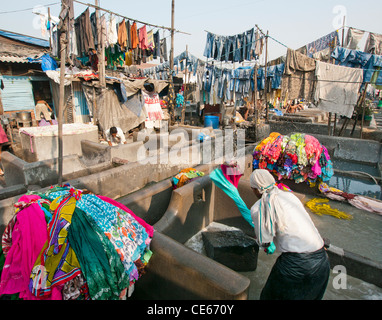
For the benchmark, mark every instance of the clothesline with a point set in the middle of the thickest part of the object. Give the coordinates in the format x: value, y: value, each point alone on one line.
x: 119, y: 15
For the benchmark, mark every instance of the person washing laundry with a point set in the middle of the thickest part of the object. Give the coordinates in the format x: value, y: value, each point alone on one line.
x: 115, y: 136
x: 281, y: 222
x: 42, y: 107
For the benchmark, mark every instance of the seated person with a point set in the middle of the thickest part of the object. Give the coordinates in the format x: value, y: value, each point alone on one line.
x: 115, y: 136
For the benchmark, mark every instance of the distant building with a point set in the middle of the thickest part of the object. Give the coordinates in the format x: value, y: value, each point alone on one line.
x: 23, y: 80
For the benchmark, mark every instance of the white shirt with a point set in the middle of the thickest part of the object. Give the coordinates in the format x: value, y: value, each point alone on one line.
x: 119, y: 138
x: 299, y: 233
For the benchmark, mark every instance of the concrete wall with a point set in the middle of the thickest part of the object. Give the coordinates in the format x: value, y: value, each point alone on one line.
x: 352, y: 149
x: 46, y: 147
x: 288, y: 127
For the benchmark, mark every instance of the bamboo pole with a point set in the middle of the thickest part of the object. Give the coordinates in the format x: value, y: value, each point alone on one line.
x: 172, y: 103
x: 63, y: 43
x: 266, y: 75
x: 101, y: 49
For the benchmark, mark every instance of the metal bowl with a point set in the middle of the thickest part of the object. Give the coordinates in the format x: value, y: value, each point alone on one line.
x: 24, y: 116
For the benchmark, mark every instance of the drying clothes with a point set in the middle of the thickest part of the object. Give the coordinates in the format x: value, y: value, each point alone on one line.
x: 185, y: 176
x: 353, y: 38
x: 337, y: 88
x: 156, y: 45
x: 134, y: 35
x: 112, y: 34
x: 331, y: 40
x: 143, y: 38
x: 122, y: 35
x: 355, y: 200
x: 150, y: 40
x: 85, y: 40
x: 163, y: 50
x: 225, y: 183
x: 57, y: 262
x: 374, y: 44
x: 320, y: 207
x: 298, y: 80
x: 29, y: 234
x: 152, y: 106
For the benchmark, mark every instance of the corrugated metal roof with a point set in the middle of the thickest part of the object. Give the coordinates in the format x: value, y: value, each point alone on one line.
x: 25, y: 39
x: 14, y: 58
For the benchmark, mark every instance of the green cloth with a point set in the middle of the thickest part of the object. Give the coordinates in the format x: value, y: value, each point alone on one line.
x: 220, y: 180
x: 100, y: 262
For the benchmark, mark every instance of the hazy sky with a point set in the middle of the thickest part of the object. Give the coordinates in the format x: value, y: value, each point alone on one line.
x: 293, y: 23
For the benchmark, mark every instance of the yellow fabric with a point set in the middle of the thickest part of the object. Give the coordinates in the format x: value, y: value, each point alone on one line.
x: 319, y: 207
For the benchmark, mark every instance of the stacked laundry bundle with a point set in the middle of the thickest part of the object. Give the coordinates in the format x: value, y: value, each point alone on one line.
x: 185, y: 176
x: 299, y: 157
x: 68, y: 244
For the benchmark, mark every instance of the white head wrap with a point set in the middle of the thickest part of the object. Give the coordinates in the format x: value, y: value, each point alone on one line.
x: 269, y: 206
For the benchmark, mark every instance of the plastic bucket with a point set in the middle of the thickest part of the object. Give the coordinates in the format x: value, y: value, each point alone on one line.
x: 211, y: 121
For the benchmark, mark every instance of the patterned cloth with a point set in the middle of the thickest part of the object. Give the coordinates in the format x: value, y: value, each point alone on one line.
x: 57, y: 262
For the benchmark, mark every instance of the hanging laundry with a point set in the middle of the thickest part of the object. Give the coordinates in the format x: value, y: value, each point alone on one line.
x: 163, y: 50
x: 337, y: 88
x: 152, y: 106
x: 112, y: 34
x: 122, y: 35
x: 353, y: 38
x: 299, y: 77
x: 156, y: 45
x: 134, y: 35
x: 94, y: 26
x: 128, y: 27
x: 143, y: 38
x: 331, y: 40
x: 374, y: 44
x: 67, y: 11
x: 84, y: 34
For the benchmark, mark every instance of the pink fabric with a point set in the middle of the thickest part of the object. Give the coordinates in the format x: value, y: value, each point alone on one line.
x: 3, y: 135
x: 143, y: 38
x: 149, y: 229
x: 232, y: 174
x: 28, y: 238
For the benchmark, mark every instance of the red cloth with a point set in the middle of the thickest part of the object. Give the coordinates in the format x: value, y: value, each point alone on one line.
x: 149, y: 229
x: 232, y: 174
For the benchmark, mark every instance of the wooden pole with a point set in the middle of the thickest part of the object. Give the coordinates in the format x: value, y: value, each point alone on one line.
x: 63, y: 43
x: 172, y: 104
x: 363, y: 109
x: 184, y: 93
x: 266, y: 82
x: 101, y: 49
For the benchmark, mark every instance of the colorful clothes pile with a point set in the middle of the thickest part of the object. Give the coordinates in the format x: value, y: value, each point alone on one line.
x: 185, y: 176
x: 68, y: 244
x: 299, y: 157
